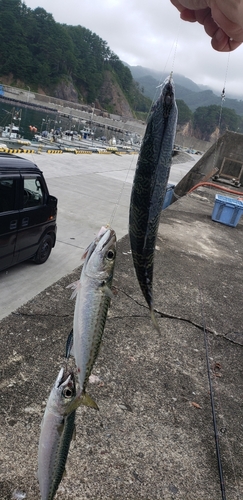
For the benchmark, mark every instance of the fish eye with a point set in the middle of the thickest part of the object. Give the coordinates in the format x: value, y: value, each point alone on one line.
x: 67, y: 392
x: 110, y: 254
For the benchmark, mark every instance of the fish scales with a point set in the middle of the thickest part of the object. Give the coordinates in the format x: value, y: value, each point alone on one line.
x: 57, y: 430
x: 92, y: 303
x: 90, y: 317
x: 62, y: 452
x: 149, y: 187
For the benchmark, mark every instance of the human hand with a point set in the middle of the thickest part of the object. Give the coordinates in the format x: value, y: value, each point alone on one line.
x: 222, y: 20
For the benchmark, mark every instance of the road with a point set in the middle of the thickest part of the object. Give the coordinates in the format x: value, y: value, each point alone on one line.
x: 92, y: 190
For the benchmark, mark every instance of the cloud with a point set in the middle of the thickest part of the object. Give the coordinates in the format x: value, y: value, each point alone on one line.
x: 150, y: 33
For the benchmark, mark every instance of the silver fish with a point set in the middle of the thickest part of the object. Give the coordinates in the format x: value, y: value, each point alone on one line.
x: 57, y: 430
x: 149, y: 187
x: 93, y: 295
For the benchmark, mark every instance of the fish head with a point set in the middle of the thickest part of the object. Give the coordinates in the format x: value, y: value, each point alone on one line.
x: 168, y: 96
x: 166, y: 100
x: 102, y: 260
x: 89, y: 250
x: 64, y: 391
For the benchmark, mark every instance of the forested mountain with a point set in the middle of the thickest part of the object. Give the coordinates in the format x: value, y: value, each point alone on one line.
x: 40, y: 52
x: 193, y: 94
x: 201, y: 108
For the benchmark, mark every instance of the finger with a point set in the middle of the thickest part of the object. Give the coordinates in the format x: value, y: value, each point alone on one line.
x: 177, y: 4
x: 222, y: 43
x: 204, y: 17
x: 191, y: 5
x: 188, y: 15
x: 232, y: 29
x: 220, y: 40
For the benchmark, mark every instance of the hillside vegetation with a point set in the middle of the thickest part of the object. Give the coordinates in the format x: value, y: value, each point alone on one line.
x: 202, y: 110
x: 193, y: 94
x: 42, y: 53
x: 72, y: 63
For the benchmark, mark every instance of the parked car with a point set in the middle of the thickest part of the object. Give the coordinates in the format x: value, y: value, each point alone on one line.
x: 27, y: 213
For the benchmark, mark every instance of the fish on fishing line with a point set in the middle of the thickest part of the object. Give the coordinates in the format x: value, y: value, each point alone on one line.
x: 57, y: 430
x: 93, y: 295
x: 149, y: 187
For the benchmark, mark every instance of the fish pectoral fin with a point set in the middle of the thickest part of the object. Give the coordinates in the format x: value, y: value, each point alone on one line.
x: 75, y: 287
x: 86, y: 251
x: 107, y: 291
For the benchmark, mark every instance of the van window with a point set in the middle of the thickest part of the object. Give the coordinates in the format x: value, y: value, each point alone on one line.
x: 7, y: 195
x: 33, y: 192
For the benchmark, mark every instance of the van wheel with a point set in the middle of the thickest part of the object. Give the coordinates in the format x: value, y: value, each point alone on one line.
x: 44, y: 250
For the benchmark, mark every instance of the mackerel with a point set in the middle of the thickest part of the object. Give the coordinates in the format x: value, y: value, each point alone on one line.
x: 57, y: 430
x: 149, y: 187
x: 93, y: 296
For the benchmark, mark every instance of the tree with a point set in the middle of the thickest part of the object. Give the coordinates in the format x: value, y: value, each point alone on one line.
x: 207, y: 119
x: 184, y: 113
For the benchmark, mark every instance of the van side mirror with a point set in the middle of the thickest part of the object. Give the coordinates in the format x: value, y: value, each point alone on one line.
x: 52, y: 201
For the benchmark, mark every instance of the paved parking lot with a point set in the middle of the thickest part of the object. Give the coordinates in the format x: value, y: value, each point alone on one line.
x: 92, y: 190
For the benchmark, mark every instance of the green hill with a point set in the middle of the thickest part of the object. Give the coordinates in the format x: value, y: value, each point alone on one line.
x: 186, y: 90
x: 41, y: 53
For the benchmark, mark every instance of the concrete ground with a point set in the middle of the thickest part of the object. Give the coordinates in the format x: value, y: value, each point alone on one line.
x: 92, y: 190
x: 153, y: 436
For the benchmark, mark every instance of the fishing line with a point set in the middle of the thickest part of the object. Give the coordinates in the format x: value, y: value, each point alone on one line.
x: 221, y: 110
x: 223, y: 94
x: 225, y: 426
x: 216, y: 435
x: 175, y: 46
x: 175, y: 53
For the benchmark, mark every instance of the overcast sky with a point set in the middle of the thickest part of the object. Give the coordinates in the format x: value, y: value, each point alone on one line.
x: 150, y: 33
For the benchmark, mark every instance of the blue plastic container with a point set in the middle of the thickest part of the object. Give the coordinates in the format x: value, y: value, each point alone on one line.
x: 168, y: 195
x: 227, y: 210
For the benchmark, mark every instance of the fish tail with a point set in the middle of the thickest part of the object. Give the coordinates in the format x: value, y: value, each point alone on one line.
x: 154, y: 320
x: 81, y: 399
x: 88, y: 401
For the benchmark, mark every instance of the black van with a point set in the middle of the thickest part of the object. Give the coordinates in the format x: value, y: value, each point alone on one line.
x: 27, y: 212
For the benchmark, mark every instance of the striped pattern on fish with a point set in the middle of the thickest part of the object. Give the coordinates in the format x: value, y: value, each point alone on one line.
x: 149, y: 187
x: 93, y: 296
x: 57, y: 430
